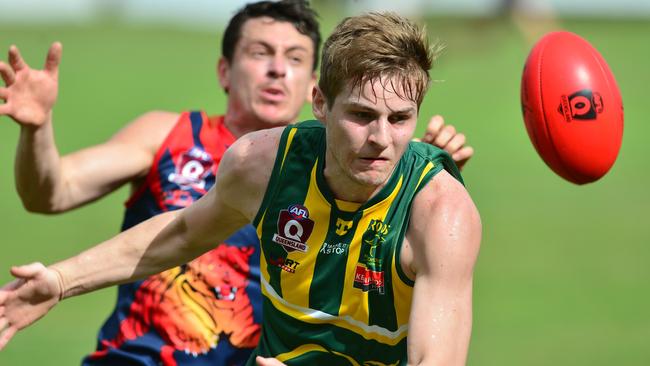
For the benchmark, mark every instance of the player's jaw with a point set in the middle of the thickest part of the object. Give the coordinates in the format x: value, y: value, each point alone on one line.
x: 274, y: 106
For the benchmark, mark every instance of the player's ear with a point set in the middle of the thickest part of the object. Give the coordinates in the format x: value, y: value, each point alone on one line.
x: 310, y: 88
x: 223, y: 72
x: 319, y: 104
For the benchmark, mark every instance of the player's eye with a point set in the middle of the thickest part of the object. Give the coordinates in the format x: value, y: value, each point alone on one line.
x: 296, y: 59
x: 398, y: 118
x: 362, y: 115
x: 258, y: 52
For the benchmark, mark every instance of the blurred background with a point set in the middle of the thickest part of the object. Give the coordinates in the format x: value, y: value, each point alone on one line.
x: 563, y: 275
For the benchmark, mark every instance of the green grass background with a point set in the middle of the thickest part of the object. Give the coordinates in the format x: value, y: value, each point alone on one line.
x: 563, y: 275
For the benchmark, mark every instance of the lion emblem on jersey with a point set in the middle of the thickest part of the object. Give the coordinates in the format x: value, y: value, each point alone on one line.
x: 192, y: 306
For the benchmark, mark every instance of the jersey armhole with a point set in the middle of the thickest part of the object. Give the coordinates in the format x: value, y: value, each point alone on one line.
x: 434, y: 167
x: 271, y: 188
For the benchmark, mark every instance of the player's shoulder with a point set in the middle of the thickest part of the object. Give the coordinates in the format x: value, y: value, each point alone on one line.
x: 152, y: 123
x: 255, y: 150
x: 444, y: 196
x: 428, y: 152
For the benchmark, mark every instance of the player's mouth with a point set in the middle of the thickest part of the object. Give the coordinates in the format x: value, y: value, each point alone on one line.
x: 372, y: 161
x: 273, y: 94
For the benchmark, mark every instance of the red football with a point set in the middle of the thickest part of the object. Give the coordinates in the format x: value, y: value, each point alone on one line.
x: 572, y: 107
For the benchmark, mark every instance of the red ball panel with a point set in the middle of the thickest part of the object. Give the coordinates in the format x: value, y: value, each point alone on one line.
x: 572, y: 107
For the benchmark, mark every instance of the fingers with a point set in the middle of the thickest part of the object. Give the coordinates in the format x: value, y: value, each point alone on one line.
x: 261, y: 361
x: 15, y: 59
x: 456, y: 142
x: 7, y: 74
x: 6, y: 334
x: 433, y: 128
x: 27, y: 271
x: 53, y: 58
x: 9, y: 287
x: 462, y: 156
x: 444, y: 136
x: 5, y: 109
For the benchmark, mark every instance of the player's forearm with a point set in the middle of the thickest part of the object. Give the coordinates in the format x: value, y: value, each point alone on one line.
x: 38, y: 169
x: 134, y: 254
x: 440, y: 325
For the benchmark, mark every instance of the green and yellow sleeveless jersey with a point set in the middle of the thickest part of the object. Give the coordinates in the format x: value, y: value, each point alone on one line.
x: 334, y: 291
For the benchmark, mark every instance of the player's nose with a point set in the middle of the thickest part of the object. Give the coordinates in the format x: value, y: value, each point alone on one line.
x: 379, y: 134
x: 277, y: 67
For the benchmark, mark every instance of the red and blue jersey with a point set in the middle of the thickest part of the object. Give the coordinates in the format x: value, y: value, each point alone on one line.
x: 208, y: 311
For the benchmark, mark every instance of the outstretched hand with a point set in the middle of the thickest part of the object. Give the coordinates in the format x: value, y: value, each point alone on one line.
x: 447, y: 138
x: 261, y: 361
x: 30, y: 94
x: 34, y: 292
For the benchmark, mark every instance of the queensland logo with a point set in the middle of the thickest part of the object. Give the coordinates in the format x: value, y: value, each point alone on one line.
x: 337, y: 249
x: 342, y: 226
x: 368, y: 280
x: 286, y: 264
x: 581, y: 105
x: 193, y: 167
x: 294, y: 228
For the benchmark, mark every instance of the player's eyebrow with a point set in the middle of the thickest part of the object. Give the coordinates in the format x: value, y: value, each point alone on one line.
x: 357, y: 105
x: 254, y: 42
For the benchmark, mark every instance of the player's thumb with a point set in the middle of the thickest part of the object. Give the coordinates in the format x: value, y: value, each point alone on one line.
x: 28, y: 270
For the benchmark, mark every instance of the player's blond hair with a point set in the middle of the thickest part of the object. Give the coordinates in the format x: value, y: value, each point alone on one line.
x: 377, y: 46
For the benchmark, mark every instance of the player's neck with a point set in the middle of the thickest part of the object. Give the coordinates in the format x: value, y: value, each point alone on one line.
x: 344, y: 187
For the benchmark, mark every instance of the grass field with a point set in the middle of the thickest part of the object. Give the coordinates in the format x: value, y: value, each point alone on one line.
x: 563, y: 275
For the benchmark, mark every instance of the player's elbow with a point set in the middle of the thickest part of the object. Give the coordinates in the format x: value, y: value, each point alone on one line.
x: 41, y: 205
x: 439, y: 360
x: 35, y: 206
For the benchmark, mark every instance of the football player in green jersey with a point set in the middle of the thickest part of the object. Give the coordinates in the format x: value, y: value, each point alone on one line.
x: 414, y: 254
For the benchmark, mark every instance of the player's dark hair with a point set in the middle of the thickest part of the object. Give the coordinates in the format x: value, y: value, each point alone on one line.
x: 296, y: 12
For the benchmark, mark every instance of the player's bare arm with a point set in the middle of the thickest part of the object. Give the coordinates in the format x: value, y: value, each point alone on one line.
x: 49, y: 183
x: 159, y: 243
x: 439, y: 253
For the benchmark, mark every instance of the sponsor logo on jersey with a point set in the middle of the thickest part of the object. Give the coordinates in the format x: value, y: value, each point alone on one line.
x: 294, y: 228
x: 369, y: 275
x: 368, y: 280
x: 193, y: 167
x: 342, y: 226
x: 336, y: 249
x: 286, y: 264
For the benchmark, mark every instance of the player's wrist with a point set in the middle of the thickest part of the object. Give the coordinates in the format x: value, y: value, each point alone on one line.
x: 38, y: 123
x: 60, y: 282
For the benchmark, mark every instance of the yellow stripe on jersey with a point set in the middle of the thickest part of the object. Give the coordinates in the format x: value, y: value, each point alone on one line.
x: 264, y: 269
x: 306, y: 348
x: 347, y: 206
x: 426, y: 170
x: 354, y: 302
x: 307, y: 315
x: 292, y: 133
x: 402, y: 293
x: 296, y: 285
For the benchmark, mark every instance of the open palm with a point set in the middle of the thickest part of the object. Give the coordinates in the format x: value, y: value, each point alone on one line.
x: 30, y: 94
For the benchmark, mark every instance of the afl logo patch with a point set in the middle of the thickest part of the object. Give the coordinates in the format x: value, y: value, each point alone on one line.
x: 294, y: 228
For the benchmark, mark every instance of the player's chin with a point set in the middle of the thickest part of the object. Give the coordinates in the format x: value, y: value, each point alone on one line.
x: 275, y: 115
x: 371, y: 178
